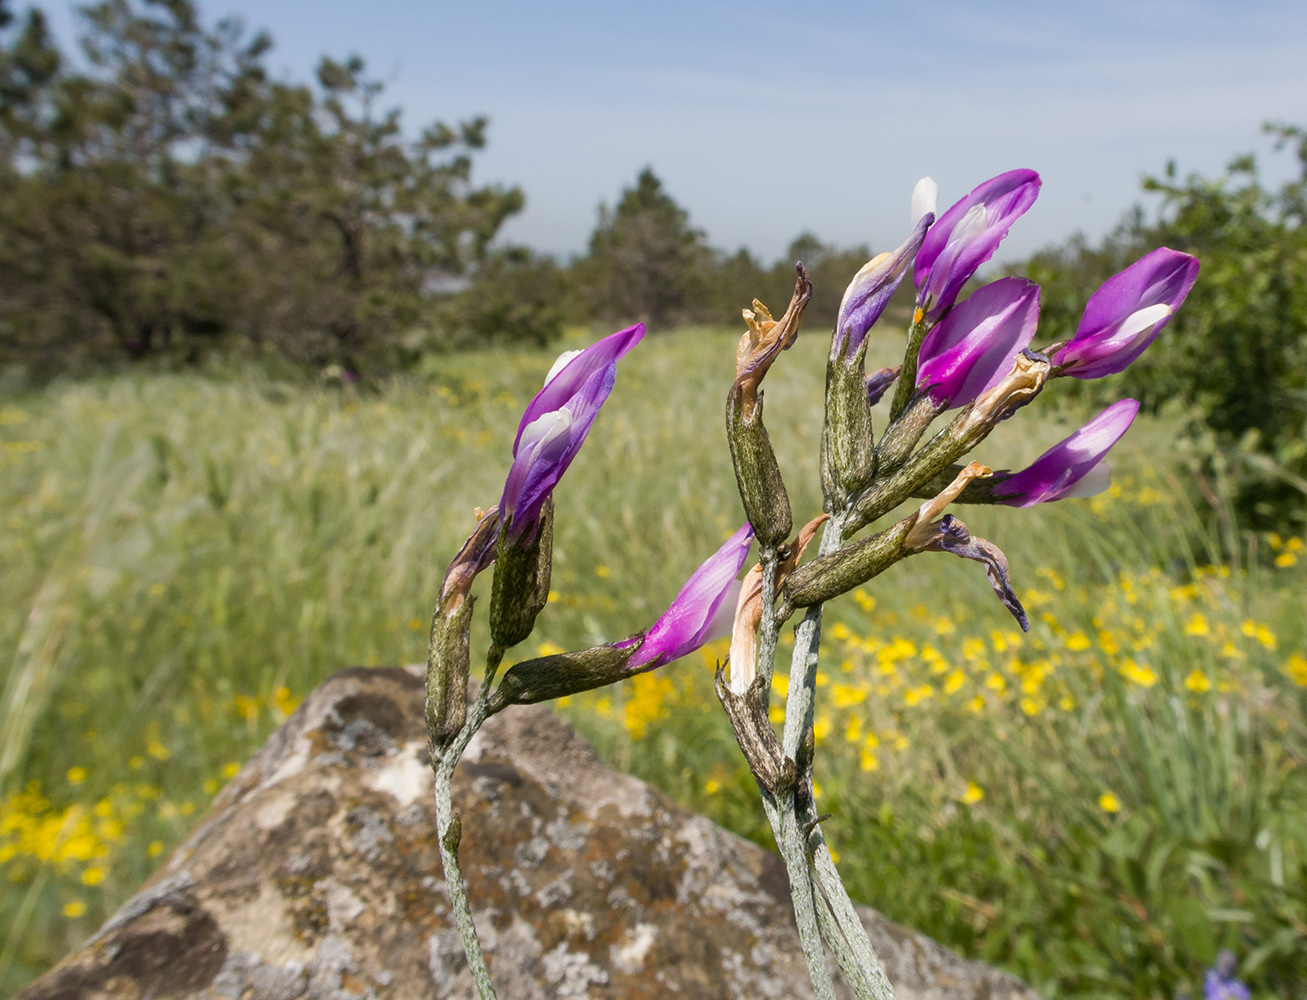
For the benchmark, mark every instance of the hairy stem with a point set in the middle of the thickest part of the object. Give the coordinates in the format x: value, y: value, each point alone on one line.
x: 449, y: 830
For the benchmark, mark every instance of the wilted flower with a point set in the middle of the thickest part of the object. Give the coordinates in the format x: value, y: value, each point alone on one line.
x: 702, y: 611
x: 966, y: 236
x: 1072, y: 468
x: 555, y: 425
x: 764, y: 338
x: 1126, y: 314
x: 974, y: 347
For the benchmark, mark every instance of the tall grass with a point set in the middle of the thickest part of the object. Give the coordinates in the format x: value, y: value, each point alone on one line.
x: 185, y: 557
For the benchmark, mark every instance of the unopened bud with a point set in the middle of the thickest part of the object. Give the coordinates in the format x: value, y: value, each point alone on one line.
x: 447, y: 671
x: 762, y: 489
x: 521, y: 586
x: 564, y: 674
x: 848, y: 458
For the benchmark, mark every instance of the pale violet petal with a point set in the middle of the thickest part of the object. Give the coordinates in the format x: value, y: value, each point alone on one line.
x: 1092, y: 483
x: 970, y: 226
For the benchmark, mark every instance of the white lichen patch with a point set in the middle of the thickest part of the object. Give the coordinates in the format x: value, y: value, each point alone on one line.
x: 630, y: 953
x: 406, y: 777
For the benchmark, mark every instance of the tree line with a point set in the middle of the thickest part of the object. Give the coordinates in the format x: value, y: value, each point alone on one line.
x: 165, y: 195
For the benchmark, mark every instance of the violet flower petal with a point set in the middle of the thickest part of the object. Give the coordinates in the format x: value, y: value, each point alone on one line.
x: 967, y: 235
x: 1071, y: 467
x: 873, y: 286
x: 972, y: 350
x: 879, y: 381
x: 562, y: 384
x: 556, y: 423
x: 701, y: 609
x: 1127, y: 313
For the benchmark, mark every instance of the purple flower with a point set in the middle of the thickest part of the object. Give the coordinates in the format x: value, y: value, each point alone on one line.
x: 555, y: 424
x: 1220, y: 984
x: 704, y: 609
x: 1074, y: 467
x: 872, y: 287
x: 1126, y: 314
x: 966, y: 236
x: 973, y: 348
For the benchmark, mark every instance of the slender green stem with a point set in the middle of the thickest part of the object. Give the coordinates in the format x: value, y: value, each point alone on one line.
x: 908, y: 373
x: 803, y: 662
x: 449, y: 830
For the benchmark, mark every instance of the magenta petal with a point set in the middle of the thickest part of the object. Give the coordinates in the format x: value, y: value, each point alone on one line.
x: 1054, y: 474
x: 1110, y: 336
x: 564, y: 385
x: 959, y: 243
x: 689, y: 622
x: 976, y: 344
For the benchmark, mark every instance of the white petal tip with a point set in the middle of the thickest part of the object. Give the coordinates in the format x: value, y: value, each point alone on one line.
x: 925, y: 198
x: 560, y: 364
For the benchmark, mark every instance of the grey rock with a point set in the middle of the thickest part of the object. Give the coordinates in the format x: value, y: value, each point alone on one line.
x: 316, y: 874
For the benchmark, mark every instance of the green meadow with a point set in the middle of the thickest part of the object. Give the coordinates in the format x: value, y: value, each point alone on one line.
x: 1099, y: 805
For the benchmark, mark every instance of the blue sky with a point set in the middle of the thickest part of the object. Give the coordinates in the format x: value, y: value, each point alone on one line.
x: 766, y: 118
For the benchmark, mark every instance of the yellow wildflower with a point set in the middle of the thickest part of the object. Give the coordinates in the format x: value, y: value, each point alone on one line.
x: 1108, y: 802
x: 973, y: 794
x: 1197, y: 681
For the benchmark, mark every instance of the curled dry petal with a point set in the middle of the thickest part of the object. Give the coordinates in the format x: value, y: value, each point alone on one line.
x: 765, y: 338
x: 922, y: 529
x: 748, y: 609
x: 950, y: 535
x: 477, y: 553
x: 1029, y: 372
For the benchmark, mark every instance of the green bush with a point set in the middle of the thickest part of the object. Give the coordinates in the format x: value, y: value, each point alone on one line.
x: 1236, y: 355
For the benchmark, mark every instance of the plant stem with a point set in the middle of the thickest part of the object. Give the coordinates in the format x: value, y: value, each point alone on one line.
x: 769, y: 629
x: 449, y: 830
x: 789, y: 838
x: 908, y: 373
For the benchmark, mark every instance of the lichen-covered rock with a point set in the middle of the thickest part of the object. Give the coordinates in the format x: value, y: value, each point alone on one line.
x: 316, y: 874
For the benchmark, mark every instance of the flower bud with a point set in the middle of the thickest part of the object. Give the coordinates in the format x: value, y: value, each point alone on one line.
x: 757, y: 474
x: 447, y: 672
